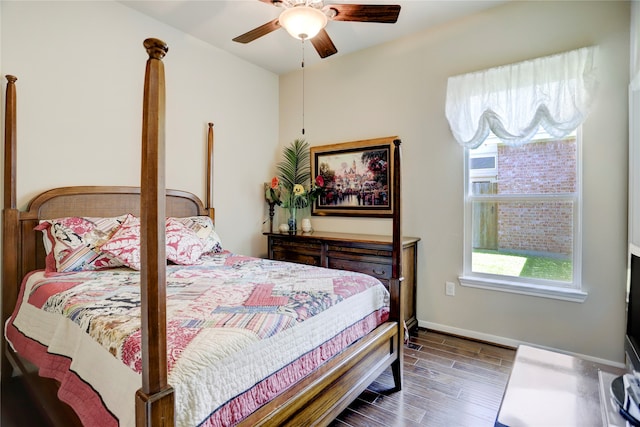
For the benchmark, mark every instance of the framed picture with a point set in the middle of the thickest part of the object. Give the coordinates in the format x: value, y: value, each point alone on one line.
x: 358, y: 178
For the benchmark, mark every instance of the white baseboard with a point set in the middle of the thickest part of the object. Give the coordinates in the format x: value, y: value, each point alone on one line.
x: 508, y: 342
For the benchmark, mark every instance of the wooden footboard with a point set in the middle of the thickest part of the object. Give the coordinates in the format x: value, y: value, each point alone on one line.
x: 324, y: 394
x: 316, y: 400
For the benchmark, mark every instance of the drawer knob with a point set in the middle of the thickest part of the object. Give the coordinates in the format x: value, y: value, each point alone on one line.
x: 378, y: 272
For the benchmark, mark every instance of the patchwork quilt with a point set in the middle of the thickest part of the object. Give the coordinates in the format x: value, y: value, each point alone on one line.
x: 240, y: 330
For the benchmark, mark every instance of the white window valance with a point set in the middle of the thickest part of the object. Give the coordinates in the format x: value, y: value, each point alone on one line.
x: 513, y: 101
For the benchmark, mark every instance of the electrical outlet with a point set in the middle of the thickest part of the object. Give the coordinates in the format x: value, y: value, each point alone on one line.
x: 450, y: 289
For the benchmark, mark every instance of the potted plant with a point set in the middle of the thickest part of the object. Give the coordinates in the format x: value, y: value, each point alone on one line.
x: 293, y: 183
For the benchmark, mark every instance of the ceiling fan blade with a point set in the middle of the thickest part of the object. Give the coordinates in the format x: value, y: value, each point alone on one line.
x: 387, y: 14
x: 258, y: 32
x: 323, y: 44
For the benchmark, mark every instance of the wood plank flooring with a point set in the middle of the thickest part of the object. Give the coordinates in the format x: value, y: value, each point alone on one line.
x: 449, y: 381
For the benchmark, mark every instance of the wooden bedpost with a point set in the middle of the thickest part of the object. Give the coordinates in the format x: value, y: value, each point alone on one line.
x: 155, y: 400
x: 395, y: 284
x: 10, y: 137
x: 210, y: 210
x: 10, y: 228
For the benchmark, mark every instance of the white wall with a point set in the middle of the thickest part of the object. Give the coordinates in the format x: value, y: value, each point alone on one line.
x: 80, y: 69
x: 634, y: 126
x: 635, y: 38
x: 400, y: 88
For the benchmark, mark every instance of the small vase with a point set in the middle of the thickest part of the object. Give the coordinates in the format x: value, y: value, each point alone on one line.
x: 293, y: 225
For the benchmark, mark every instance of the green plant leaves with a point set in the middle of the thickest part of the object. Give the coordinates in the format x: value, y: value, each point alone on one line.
x: 295, y: 167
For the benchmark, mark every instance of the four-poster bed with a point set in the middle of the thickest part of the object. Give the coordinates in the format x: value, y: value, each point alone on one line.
x: 315, y: 398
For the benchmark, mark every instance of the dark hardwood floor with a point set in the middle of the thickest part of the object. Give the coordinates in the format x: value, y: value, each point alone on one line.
x: 448, y: 381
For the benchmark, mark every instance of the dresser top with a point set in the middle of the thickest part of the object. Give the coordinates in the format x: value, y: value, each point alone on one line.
x: 342, y: 237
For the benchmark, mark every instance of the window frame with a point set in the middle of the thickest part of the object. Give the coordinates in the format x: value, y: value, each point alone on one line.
x: 568, y: 291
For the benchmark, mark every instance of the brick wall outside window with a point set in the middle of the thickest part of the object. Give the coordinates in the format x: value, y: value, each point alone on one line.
x: 543, y: 167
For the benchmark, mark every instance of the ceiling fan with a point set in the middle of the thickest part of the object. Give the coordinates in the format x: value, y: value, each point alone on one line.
x: 306, y: 19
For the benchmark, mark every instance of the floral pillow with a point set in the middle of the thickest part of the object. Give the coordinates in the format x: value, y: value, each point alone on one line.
x: 182, y: 244
x: 205, y: 230
x: 124, y: 245
x: 75, y: 243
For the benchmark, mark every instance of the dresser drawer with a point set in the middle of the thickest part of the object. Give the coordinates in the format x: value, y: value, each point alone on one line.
x: 307, y: 252
x: 296, y: 245
x: 299, y: 257
x: 359, y: 251
x: 375, y: 269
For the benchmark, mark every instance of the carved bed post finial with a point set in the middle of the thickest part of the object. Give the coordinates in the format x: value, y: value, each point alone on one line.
x: 156, y: 48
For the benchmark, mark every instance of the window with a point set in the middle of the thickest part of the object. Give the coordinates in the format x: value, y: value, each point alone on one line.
x: 519, y: 125
x: 522, y: 216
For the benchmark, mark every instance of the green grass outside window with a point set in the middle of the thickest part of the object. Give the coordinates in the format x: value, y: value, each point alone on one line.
x: 522, y: 265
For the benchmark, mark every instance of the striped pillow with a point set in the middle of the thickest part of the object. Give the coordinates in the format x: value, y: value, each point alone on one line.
x: 203, y: 227
x: 74, y: 243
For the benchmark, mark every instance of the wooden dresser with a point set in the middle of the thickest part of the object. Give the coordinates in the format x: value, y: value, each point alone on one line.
x: 365, y: 253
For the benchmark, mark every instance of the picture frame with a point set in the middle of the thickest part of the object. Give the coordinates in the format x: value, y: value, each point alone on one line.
x: 358, y: 177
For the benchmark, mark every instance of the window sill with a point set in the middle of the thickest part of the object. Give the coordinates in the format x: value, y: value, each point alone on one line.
x: 565, y: 294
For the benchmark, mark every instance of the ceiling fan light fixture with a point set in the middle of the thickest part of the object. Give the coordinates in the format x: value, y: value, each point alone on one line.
x: 303, y: 22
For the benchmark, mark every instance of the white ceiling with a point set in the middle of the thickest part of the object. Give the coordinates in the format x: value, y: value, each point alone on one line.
x: 217, y: 22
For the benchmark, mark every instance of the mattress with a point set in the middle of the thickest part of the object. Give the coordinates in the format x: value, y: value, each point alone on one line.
x: 240, y: 330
